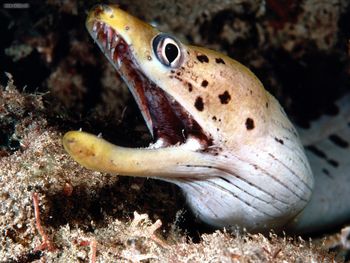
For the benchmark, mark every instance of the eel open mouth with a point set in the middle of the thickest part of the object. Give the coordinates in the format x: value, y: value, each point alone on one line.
x: 168, y: 122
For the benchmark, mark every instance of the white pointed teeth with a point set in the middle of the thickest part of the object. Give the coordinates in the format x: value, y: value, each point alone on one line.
x: 94, y: 28
x: 112, y: 52
x: 110, y: 34
x: 107, y: 37
x: 160, y: 143
x: 193, y: 144
x: 105, y: 28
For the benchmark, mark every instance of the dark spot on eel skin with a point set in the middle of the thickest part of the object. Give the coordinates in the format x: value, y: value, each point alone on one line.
x: 338, y: 141
x: 178, y: 78
x: 326, y: 172
x: 190, y: 88
x: 322, y: 155
x: 199, y: 104
x: 203, y: 58
x: 225, y: 97
x: 249, y: 124
x: 334, y: 163
x: 205, y: 83
x: 267, y: 104
x: 279, y: 140
x: 214, y: 118
x: 219, y: 60
x: 317, y: 151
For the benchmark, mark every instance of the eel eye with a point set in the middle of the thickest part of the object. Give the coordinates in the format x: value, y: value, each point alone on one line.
x: 167, y: 50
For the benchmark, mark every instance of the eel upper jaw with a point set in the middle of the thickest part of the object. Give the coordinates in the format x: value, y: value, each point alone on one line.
x: 169, y: 123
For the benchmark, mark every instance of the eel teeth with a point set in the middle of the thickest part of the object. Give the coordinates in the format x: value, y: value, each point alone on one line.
x: 110, y: 34
x: 114, y: 42
x: 94, y: 28
x: 107, y: 38
x: 112, y: 52
x: 119, y: 62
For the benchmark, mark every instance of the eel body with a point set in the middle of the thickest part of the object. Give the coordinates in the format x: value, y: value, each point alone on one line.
x: 218, y: 134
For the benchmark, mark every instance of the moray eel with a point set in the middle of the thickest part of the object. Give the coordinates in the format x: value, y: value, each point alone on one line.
x: 218, y: 134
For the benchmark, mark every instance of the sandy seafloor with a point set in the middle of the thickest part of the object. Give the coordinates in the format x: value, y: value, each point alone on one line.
x: 60, y: 81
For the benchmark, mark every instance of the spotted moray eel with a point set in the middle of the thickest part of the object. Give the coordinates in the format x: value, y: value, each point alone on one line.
x: 218, y: 134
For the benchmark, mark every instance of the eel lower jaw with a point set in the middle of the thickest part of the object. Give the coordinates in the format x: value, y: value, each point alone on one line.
x: 169, y: 163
